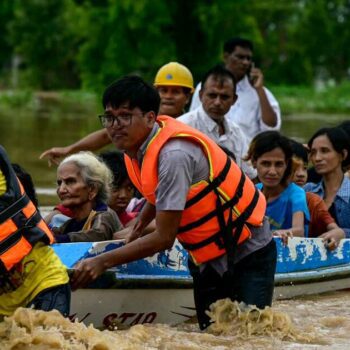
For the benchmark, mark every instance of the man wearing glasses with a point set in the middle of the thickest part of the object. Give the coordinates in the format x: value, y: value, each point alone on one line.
x: 174, y: 83
x: 256, y: 109
x: 196, y: 193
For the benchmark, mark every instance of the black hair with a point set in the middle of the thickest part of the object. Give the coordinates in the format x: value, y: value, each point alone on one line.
x: 135, y: 91
x: 231, y: 44
x: 299, y: 151
x: 268, y: 141
x: 219, y: 72
x: 338, y: 138
x: 27, y: 183
x: 345, y: 126
x: 115, y: 161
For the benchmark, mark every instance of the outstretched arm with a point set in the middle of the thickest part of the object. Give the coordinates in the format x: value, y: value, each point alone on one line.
x: 143, y: 225
x: 162, y: 238
x: 91, y: 142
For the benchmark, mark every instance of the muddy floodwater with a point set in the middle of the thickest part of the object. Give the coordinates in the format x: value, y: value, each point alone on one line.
x: 316, y: 322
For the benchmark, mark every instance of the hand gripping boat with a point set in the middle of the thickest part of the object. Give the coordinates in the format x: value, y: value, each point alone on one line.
x: 158, y: 289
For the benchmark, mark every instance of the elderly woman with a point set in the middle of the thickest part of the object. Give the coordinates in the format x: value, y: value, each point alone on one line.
x: 84, y: 185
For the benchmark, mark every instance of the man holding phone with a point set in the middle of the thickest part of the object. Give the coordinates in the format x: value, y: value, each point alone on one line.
x: 256, y: 109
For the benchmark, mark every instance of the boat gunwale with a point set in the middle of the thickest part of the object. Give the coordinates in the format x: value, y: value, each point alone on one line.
x: 114, y: 280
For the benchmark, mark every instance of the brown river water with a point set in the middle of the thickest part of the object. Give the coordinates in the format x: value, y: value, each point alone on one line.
x: 317, y: 322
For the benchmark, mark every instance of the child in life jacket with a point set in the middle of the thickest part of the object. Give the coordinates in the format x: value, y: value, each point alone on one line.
x: 322, y: 223
x: 287, y: 211
x: 31, y: 274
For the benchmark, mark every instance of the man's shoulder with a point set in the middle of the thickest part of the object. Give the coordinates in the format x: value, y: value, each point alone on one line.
x: 190, y: 117
x: 233, y: 126
x: 185, y: 117
x: 178, y: 145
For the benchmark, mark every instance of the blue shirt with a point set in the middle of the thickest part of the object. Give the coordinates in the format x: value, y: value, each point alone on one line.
x: 341, y: 202
x: 280, y: 211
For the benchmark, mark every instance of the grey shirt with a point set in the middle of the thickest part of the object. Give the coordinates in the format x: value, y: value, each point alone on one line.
x: 181, y: 164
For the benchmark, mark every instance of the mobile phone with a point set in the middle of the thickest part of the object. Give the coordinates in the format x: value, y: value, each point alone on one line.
x: 251, y: 79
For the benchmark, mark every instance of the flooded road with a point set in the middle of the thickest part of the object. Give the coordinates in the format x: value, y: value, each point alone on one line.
x: 317, y: 322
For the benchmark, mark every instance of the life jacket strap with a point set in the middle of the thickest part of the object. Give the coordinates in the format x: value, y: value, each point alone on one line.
x: 218, y: 236
x: 14, y: 208
x: 212, y: 185
x: 229, y: 204
x: 12, y: 239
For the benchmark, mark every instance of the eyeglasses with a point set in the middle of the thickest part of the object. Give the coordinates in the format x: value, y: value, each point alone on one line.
x: 243, y: 57
x: 108, y: 120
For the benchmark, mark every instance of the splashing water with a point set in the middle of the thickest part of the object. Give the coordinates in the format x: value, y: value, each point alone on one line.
x: 319, y: 322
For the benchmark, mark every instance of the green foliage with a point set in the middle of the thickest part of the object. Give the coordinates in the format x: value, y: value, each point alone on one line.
x: 299, y: 99
x: 6, y: 14
x: 13, y: 99
x: 293, y: 100
x: 41, y: 34
x: 326, y: 26
x: 89, y: 43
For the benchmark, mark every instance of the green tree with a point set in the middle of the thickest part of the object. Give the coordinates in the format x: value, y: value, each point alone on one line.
x: 125, y: 37
x: 42, y: 35
x: 325, y: 29
x: 6, y: 49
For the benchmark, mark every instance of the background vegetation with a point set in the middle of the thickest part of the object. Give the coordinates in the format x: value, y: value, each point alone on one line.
x: 86, y: 44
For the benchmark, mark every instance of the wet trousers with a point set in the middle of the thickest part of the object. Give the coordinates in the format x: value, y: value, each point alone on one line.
x: 56, y: 298
x: 252, y: 282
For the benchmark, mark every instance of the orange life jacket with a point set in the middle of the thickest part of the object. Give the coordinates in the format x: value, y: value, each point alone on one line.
x: 21, y: 226
x: 226, y: 202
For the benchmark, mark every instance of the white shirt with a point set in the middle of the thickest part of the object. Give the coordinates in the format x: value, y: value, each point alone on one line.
x: 246, y: 112
x: 233, y: 139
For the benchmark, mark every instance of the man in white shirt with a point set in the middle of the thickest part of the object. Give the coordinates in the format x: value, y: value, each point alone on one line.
x: 256, y: 109
x: 218, y: 94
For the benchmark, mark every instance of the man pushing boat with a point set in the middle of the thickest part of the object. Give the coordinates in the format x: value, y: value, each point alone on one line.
x: 196, y: 194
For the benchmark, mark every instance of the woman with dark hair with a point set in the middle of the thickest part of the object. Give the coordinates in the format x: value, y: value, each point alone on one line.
x: 329, y: 153
x: 322, y: 223
x: 271, y: 155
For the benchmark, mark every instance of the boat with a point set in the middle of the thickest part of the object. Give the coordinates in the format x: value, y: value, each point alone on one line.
x: 158, y: 289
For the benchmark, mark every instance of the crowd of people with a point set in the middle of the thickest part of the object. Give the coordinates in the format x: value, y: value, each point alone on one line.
x: 220, y: 178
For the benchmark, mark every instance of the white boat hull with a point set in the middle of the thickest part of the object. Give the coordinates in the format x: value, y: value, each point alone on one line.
x: 158, y: 289
x: 128, y: 307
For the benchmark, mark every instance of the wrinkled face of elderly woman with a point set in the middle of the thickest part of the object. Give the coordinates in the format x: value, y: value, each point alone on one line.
x: 71, y: 187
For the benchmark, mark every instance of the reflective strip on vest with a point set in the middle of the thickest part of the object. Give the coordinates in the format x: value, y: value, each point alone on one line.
x: 200, y: 230
x: 21, y: 226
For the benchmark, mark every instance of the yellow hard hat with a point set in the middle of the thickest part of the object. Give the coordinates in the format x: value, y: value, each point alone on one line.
x: 174, y: 74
